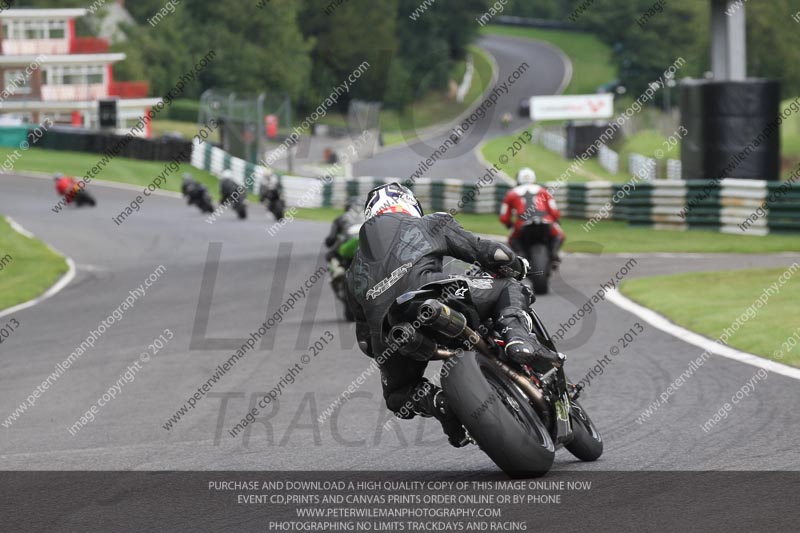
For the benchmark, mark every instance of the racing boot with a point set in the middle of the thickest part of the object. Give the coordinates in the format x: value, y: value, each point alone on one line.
x: 428, y: 400
x: 522, y: 346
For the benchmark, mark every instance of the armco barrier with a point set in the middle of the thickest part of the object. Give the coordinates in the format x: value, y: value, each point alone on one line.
x: 730, y: 206
x: 78, y: 140
x: 208, y: 157
x: 723, y: 206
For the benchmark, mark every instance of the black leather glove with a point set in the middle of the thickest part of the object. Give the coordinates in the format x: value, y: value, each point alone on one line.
x: 517, y: 269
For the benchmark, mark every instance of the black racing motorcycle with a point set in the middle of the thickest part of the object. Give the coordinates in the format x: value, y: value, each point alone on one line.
x: 517, y: 415
x: 82, y: 197
x: 536, y: 242
x: 344, y: 252
x: 272, y: 199
x: 196, y: 194
x: 238, y: 203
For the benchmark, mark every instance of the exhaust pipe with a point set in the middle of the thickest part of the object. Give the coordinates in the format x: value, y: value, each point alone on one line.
x: 530, y: 390
x: 411, y: 343
x: 450, y: 323
x: 446, y: 321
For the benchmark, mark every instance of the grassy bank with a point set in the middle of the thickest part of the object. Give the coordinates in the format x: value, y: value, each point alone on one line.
x: 590, y: 57
x: 618, y: 237
x: 726, y: 297
x: 120, y: 169
x: 27, y: 267
x: 548, y: 165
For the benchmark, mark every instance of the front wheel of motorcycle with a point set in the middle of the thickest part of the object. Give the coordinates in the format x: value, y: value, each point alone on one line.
x: 586, y: 444
x: 497, y: 415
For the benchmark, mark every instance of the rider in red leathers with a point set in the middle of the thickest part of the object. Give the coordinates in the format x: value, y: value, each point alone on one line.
x: 72, y: 190
x: 525, y: 202
x: 64, y: 184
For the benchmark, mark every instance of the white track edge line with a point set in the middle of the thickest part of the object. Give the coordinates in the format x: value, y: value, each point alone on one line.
x: 54, y: 289
x: 661, y: 322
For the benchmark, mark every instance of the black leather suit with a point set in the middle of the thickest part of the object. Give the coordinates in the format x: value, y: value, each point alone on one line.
x: 398, y: 253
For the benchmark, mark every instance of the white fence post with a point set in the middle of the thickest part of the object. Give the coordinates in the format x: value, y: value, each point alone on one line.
x: 645, y: 168
x: 608, y: 159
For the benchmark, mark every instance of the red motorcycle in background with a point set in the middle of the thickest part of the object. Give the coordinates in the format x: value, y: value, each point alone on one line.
x: 531, y: 210
x: 71, y: 190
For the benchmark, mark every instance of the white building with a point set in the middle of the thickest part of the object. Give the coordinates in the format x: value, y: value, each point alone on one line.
x: 48, y: 72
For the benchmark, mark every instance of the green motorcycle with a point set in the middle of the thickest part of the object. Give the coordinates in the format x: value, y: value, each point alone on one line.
x: 338, y: 265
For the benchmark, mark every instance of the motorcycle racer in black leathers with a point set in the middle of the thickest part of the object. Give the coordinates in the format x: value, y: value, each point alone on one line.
x: 401, y: 250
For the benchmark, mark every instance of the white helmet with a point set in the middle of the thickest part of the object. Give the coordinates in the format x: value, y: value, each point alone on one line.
x: 526, y: 176
x: 391, y: 197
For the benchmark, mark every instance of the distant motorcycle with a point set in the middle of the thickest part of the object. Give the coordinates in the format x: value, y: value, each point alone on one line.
x: 233, y: 194
x: 196, y: 194
x: 270, y: 195
x: 70, y: 189
x: 535, y: 239
x: 345, y: 253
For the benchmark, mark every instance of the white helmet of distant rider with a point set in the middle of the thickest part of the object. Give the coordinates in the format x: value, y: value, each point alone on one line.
x: 391, y: 198
x: 526, y: 176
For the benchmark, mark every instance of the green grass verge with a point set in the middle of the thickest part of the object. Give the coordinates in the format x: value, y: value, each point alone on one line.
x: 548, y: 165
x: 647, y: 143
x: 591, y: 67
x: 591, y: 58
x: 726, y: 296
x: 120, y: 169
x: 617, y: 237
x: 27, y: 267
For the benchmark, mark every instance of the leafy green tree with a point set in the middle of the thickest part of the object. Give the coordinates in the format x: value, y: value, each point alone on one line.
x: 256, y: 49
x: 645, y: 42
x: 773, y: 49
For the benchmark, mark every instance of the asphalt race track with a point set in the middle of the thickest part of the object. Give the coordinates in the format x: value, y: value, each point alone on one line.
x: 128, y: 434
x: 219, y: 282
x: 548, y: 72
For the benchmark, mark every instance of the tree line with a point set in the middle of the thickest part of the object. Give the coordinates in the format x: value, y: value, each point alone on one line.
x: 304, y: 48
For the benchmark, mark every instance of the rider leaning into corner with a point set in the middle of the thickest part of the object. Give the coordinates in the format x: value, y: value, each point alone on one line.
x: 526, y: 200
x: 401, y: 250
x: 65, y: 186
x: 191, y: 188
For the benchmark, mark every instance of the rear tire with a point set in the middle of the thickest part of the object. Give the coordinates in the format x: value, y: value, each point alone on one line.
x: 587, y: 444
x: 540, y: 268
x: 498, y: 416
